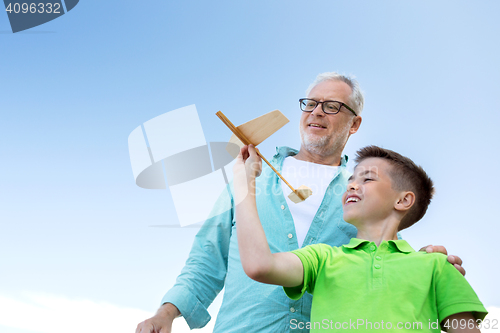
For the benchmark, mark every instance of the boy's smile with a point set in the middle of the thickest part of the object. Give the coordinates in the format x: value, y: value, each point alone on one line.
x: 351, y: 198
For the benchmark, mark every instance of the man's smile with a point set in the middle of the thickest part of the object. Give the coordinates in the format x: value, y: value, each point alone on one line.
x: 316, y: 125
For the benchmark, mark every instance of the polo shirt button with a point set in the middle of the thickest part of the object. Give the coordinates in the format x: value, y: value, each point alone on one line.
x: 292, y: 309
x: 377, y: 266
x: 290, y: 236
x: 372, y: 248
x: 283, y: 207
x: 378, y: 257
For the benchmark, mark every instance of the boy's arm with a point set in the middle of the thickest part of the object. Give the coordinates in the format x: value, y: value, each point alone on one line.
x: 258, y: 262
x: 461, y: 322
x: 456, y: 301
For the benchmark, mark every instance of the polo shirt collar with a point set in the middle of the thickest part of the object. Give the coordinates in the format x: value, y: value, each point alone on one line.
x: 355, y: 242
x: 400, y: 244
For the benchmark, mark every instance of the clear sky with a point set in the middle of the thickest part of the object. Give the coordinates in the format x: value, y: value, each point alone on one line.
x: 77, y: 247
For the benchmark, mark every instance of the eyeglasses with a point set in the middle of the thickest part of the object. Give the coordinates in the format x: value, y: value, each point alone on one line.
x: 328, y: 107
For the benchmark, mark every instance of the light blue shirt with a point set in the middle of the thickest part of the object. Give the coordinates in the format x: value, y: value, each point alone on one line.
x: 214, y: 261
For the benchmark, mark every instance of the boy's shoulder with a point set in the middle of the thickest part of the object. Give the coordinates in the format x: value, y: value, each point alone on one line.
x: 421, y: 262
x: 319, y: 250
x: 404, y: 249
x: 319, y: 247
x: 434, y: 256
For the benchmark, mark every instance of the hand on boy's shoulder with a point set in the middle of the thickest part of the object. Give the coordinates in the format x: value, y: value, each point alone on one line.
x: 454, y: 260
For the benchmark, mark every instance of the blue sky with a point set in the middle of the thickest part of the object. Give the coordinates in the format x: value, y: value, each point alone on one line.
x: 76, y: 229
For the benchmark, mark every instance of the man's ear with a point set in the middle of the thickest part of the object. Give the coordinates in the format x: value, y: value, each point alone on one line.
x: 355, y: 125
x: 405, y: 201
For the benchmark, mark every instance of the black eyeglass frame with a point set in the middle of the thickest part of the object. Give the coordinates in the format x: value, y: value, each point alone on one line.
x: 323, y: 105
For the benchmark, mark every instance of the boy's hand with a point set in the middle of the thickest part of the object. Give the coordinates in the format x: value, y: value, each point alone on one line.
x: 454, y: 260
x: 248, y: 162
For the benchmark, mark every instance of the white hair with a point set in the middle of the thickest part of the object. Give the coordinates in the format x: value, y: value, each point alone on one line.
x: 356, y: 99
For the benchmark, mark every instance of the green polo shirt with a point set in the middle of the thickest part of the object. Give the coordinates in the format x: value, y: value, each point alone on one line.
x: 362, y: 287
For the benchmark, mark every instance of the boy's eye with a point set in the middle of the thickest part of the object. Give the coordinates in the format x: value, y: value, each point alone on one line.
x: 368, y: 179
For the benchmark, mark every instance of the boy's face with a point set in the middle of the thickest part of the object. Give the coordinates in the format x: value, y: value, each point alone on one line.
x: 369, y: 196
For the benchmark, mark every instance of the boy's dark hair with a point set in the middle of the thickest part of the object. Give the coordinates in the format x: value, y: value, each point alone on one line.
x: 405, y: 176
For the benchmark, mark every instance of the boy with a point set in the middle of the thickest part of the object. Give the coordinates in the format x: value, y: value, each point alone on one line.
x: 376, y: 281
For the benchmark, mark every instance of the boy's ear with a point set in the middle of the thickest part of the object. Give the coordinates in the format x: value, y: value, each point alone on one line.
x: 405, y: 201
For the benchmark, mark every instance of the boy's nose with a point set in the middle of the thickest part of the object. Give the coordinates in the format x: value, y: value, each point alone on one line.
x: 352, y: 186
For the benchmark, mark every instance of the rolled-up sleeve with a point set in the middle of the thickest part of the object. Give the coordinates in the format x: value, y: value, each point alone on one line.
x: 203, y: 275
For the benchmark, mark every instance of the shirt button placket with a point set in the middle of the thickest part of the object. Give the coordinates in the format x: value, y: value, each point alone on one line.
x: 377, y: 269
x: 290, y: 235
x: 294, y: 314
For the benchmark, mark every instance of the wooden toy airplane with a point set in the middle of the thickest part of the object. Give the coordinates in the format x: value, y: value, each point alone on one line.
x: 257, y: 130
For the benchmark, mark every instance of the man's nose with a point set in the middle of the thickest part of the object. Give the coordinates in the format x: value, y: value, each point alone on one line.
x: 318, y: 109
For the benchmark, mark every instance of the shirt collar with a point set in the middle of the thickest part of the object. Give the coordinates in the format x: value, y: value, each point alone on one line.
x: 400, y: 244
x: 285, y: 151
x: 282, y: 152
x: 355, y: 242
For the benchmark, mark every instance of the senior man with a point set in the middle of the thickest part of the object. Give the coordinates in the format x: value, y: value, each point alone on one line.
x: 330, y: 115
